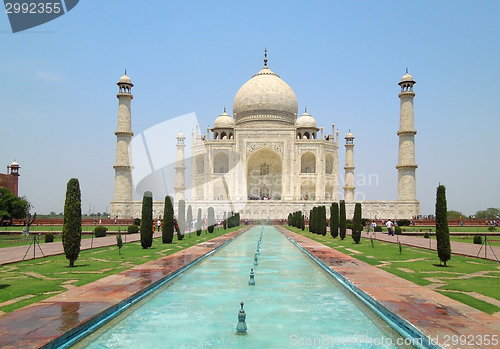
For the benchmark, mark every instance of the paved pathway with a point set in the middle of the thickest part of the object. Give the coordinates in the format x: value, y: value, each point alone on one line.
x: 459, y: 248
x: 16, y: 253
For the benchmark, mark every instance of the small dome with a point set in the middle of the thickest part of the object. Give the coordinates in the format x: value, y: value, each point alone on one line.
x: 407, y: 77
x: 125, y: 80
x: 306, y: 121
x: 224, y: 121
x: 180, y: 135
x: 349, y: 136
x: 14, y: 164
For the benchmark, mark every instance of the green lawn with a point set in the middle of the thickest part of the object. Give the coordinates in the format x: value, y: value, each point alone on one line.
x: 465, y: 274
x: 493, y: 240
x: 454, y: 229
x: 16, y: 238
x: 42, y: 278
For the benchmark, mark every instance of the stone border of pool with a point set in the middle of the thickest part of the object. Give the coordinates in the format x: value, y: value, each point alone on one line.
x: 436, y: 316
x: 56, y: 320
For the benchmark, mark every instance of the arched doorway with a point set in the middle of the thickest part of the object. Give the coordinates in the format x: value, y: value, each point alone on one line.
x: 264, y: 175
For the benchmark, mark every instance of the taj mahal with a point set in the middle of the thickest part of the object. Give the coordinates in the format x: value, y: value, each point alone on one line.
x: 266, y: 161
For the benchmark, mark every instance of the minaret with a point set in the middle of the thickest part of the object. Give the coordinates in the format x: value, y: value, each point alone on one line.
x: 349, y: 168
x: 406, y: 164
x: 123, y: 167
x: 13, y: 171
x: 180, y: 169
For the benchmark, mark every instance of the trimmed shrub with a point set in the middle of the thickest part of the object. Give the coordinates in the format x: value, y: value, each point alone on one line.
x: 167, y: 232
x: 189, y: 218
x: 342, y: 220
x: 137, y: 221
x: 198, y: 223
x: 442, y: 229
x: 119, y: 241
x: 348, y: 226
x: 478, y: 239
x: 403, y: 222
x: 378, y: 228
x: 72, y: 226
x: 49, y: 237
x: 147, y: 220
x: 426, y: 235
x: 398, y: 230
x: 132, y: 229
x: 334, y: 220
x: 211, y: 219
x: 181, y: 219
x: 322, y: 220
x: 100, y: 231
x: 357, y: 227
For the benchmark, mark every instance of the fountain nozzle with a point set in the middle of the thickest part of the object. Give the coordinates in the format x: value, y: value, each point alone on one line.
x: 241, y: 327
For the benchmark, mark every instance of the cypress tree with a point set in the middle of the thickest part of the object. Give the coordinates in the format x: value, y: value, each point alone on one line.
x: 311, y: 220
x: 211, y: 220
x: 72, y: 226
x: 189, y: 218
x: 334, y: 220
x: 357, y: 227
x: 290, y: 219
x: 224, y: 223
x: 198, y: 223
x: 303, y: 223
x: 442, y: 229
x: 147, y: 220
x: 324, y: 222
x: 342, y: 220
x: 167, y: 231
x: 181, y: 219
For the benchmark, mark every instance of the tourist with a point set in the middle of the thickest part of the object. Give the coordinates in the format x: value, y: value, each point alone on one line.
x: 389, y: 228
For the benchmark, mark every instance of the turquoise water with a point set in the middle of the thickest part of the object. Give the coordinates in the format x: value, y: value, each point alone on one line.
x: 293, y: 304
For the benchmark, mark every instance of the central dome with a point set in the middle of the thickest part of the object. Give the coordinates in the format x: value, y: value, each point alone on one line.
x: 265, y: 97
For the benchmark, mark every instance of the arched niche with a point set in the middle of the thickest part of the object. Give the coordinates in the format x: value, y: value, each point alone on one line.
x: 200, y: 164
x: 221, y: 163
x: 308, y: 190
x: 329, y: 163
x: 308, y: 163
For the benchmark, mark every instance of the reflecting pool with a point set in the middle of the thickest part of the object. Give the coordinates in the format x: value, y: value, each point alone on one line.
x: 293, y: 304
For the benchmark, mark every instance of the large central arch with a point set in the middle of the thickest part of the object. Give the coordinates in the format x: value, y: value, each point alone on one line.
x: 264, y: 175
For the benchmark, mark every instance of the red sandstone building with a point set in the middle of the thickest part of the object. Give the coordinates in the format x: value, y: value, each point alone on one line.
x: 11, y: 179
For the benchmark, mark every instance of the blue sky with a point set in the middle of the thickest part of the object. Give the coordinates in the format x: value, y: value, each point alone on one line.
x: 343, y: 59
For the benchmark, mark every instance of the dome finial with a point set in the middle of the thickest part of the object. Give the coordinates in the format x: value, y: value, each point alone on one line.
x: 305, y: 109
x: 125, y: 71
x: 224, y: 109
x: 265, y: 57
x: 406, y: 70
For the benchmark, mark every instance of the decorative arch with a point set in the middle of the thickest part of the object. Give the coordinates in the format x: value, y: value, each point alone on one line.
x: 221, y: 163
x: 199, y: 190
x: 329, y: 190
x: 220, y: 190
x: 308, y: 163
x: 264, y: 170
x: 200, y: 164
x: 329, y: 163
x: 308, y: 190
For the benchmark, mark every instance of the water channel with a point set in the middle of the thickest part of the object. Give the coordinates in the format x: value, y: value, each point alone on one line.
x: 293, y: 303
